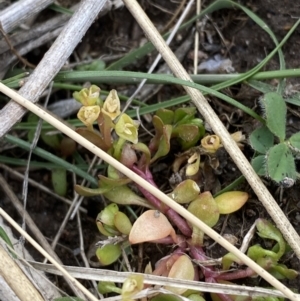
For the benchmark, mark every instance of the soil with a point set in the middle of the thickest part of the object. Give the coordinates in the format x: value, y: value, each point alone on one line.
x: 229, y: 33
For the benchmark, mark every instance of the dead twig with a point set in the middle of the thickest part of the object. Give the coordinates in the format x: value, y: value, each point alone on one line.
x: 52, y: 61
x: 17, y: 13
x: 13, y: 50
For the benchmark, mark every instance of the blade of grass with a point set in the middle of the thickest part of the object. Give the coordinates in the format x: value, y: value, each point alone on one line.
x: 51, y: 158
x: 35, y: 164
x: 173, y: 80
x: 109, y: 77
x: 250, y: 73
x: 204, y: 79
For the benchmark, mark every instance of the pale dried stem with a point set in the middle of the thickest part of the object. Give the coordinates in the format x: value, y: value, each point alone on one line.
x: 53, y: 61
x: 31, y: 224
x: 51, y: 259
x: 16, y: 279
x: 20, y: 11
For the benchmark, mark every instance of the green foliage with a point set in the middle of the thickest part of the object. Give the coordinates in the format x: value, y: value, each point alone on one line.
x: 105, y: 287
x: 268, y: 259
x: 59, y: 181
x: 276, y: 161
x: 275, y: 113
x: 280, y: 163
x: 108, y: 254
x: 7, y: 240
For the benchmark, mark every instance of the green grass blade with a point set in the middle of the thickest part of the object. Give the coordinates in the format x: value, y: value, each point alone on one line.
x: 250, y: 73
x: 69, y: 76
x: 52, y: 158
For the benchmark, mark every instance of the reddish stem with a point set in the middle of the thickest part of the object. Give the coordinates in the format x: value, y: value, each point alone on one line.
x: 181, y: 223
x: 236, y: 274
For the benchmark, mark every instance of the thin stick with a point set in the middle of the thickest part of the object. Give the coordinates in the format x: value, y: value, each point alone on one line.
x: 32, y: 226
x: 217, y: 126
x: 39, y: 186
x: 19, y: 283
x: 21, y: 11
x: 197, y: 36
x: 158, y: 57
x: 44, y: 253
x: 13, y: 50
x: 156, y: 192
x: 52, y: 61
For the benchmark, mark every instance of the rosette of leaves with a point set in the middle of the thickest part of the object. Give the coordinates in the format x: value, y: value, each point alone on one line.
x: 111, y: 223
x: 275, y: 160
x: 186, y: 127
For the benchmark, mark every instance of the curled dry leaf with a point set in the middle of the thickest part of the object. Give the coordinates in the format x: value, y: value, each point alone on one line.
x: 151, y: 225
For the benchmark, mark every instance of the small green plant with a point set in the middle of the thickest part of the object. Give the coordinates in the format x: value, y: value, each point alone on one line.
x: 161, y: 224
x: 276, y: 159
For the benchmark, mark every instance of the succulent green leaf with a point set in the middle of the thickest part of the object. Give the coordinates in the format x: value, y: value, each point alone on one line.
x: 164, y: 143
x: 105, y: 287
x: 294, y: 141
x: 159, y: 128
x: 267, y: 230
x: 108, y: 254
x: 258, y: 163
x: 231, y: 201
x: 187, y: 135
x: 111, y: 183
x: 123, y: 195
x: 181, y: 269
x: 280, y: 271
x: 205, y: 208
x: 185, y: 192
x: 228, y: 259
x: 256, y: 252
x: 59, y: 181
x: 51, y: 140
x: 167, y: 116
x: 280, y: 163
x: 104, y: 230
x: 107, y: 215
x: 122, y: 223
x: 85, y: 191
x: 182, y: 115
x: 261, y: 139
x: 275, y: 113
